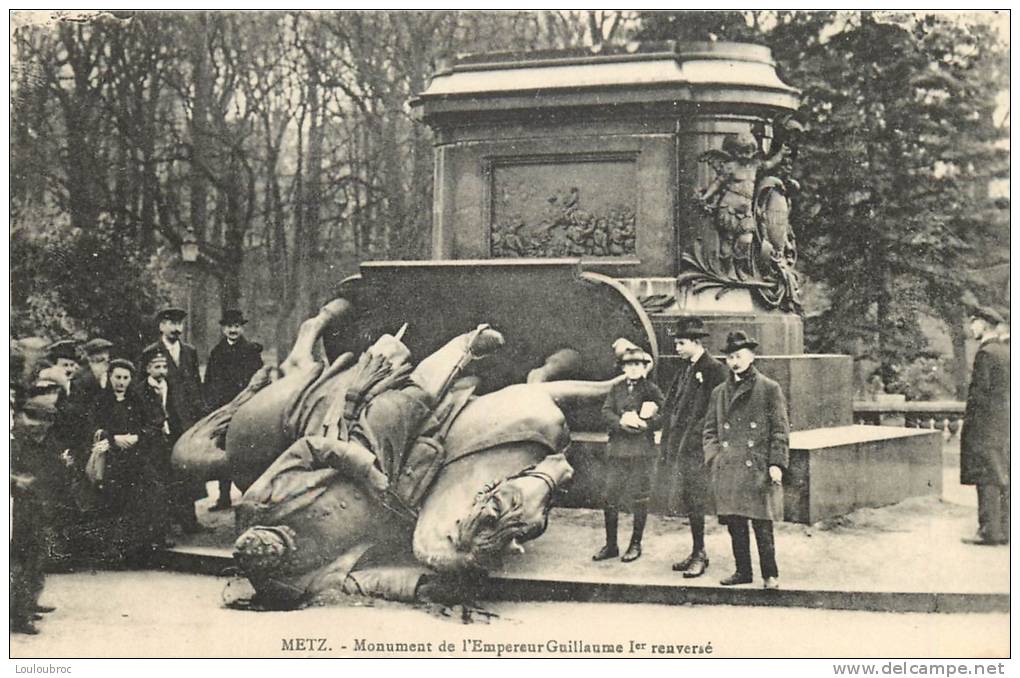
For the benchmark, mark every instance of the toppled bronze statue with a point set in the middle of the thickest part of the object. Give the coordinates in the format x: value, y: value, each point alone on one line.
x: 372, y: 476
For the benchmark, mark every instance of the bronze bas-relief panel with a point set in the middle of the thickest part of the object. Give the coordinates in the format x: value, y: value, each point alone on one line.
x: 563, y: 205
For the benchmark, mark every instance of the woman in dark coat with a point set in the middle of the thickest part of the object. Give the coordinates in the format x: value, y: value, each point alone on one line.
x: 746, y: 440
x: 129, y: 522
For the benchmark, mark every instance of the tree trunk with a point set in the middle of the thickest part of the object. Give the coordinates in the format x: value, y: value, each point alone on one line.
x: 199, y: 183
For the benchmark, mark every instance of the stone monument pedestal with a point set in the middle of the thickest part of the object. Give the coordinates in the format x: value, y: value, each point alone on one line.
x: 658, y: 169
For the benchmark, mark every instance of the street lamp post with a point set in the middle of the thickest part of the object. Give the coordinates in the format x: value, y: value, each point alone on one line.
x: 189, y: 255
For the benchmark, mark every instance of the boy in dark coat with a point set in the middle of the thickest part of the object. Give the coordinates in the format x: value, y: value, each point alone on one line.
x: 164, y: 427
x: 747, y: 440
x: 682, y: 453
x: 984, y: 441
x: 232, y: 362
x: 631, y: 414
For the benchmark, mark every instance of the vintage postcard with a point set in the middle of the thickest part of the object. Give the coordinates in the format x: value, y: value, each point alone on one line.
x: 557, y: 334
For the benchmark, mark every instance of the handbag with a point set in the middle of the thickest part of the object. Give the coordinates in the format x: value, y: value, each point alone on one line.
x: 95, y: 467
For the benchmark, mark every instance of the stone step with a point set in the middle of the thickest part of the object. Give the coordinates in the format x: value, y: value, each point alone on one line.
x: 218, y: 562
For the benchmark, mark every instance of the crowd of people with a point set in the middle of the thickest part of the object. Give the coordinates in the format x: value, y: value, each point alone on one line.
x: 92, y: 480
x: 92, y: 435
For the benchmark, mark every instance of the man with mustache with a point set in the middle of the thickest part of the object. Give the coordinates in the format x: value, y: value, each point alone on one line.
x: 746, y: 437
x: 183, y: 399
x: 230, y: 367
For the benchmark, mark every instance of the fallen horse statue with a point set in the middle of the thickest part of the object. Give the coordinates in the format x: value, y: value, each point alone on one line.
x: 373, y: 476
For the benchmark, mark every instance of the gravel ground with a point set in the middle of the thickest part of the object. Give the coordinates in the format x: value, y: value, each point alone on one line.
x: 163, y: 614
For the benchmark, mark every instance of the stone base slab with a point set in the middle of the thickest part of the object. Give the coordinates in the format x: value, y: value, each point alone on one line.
x: 832, y: 471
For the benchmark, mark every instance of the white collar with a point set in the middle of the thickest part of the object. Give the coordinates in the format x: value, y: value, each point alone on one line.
x: 697, y: 355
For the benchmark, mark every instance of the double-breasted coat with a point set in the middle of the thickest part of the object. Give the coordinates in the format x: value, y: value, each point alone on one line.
x: 229, y: 370
x: 984, y: 441
x: 621, y: 398
x: 682, y: 449
x: 747, y: 430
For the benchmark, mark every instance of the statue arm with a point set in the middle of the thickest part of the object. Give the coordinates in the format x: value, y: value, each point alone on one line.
x: 569, y: 390
x: 351, y: 459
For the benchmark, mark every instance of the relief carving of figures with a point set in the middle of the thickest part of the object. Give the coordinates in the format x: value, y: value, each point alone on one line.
x: 566, y: 230
x: 753, y: 245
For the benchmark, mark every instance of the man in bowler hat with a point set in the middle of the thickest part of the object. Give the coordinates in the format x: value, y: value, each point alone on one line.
x: 230, y: 367
x: 746, y: 438
x: 631, y: 413
x: 682, y: 452
x: 984, y: 440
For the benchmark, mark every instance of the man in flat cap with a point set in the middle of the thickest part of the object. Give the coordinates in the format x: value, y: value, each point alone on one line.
x: 682, y: 452
x: 230, y: 367
x: 984, y: 441
x: 87, y: 386
x: 95, y: 379
x: 747, y: 438
x: 70, y: 418
x: 64, y: 355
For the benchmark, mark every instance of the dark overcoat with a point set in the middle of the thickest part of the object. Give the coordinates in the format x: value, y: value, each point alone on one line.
x: 682, y: 451
x: 984, y: 441
x: 185, y: 385
x: 229, y: 369
x: 623, y: 443
x: 747, y: 430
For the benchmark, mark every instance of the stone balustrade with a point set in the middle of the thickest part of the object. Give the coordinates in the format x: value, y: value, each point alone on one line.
x: 943, y: 415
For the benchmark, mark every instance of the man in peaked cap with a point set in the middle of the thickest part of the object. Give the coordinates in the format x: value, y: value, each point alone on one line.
x: 172, y: 398
x: 230, y: 367
x: 182, y: 367
x: 984, y: 440
x: 682, y: 452
x: 746, y: 437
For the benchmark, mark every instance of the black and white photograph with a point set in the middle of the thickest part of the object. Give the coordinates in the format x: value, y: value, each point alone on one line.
x: 503, y: 334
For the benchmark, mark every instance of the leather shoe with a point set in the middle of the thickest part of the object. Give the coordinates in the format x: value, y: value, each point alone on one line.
x: 688, y: 561
x: 606, y: 552
x: 632, y: 554
x: 221, y: 506
x: 982, y: 541
x: 43, y: 608
x: 697, y: 568
x: 24, y: 626
x: 771, y: 582
x: 737, y: 578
